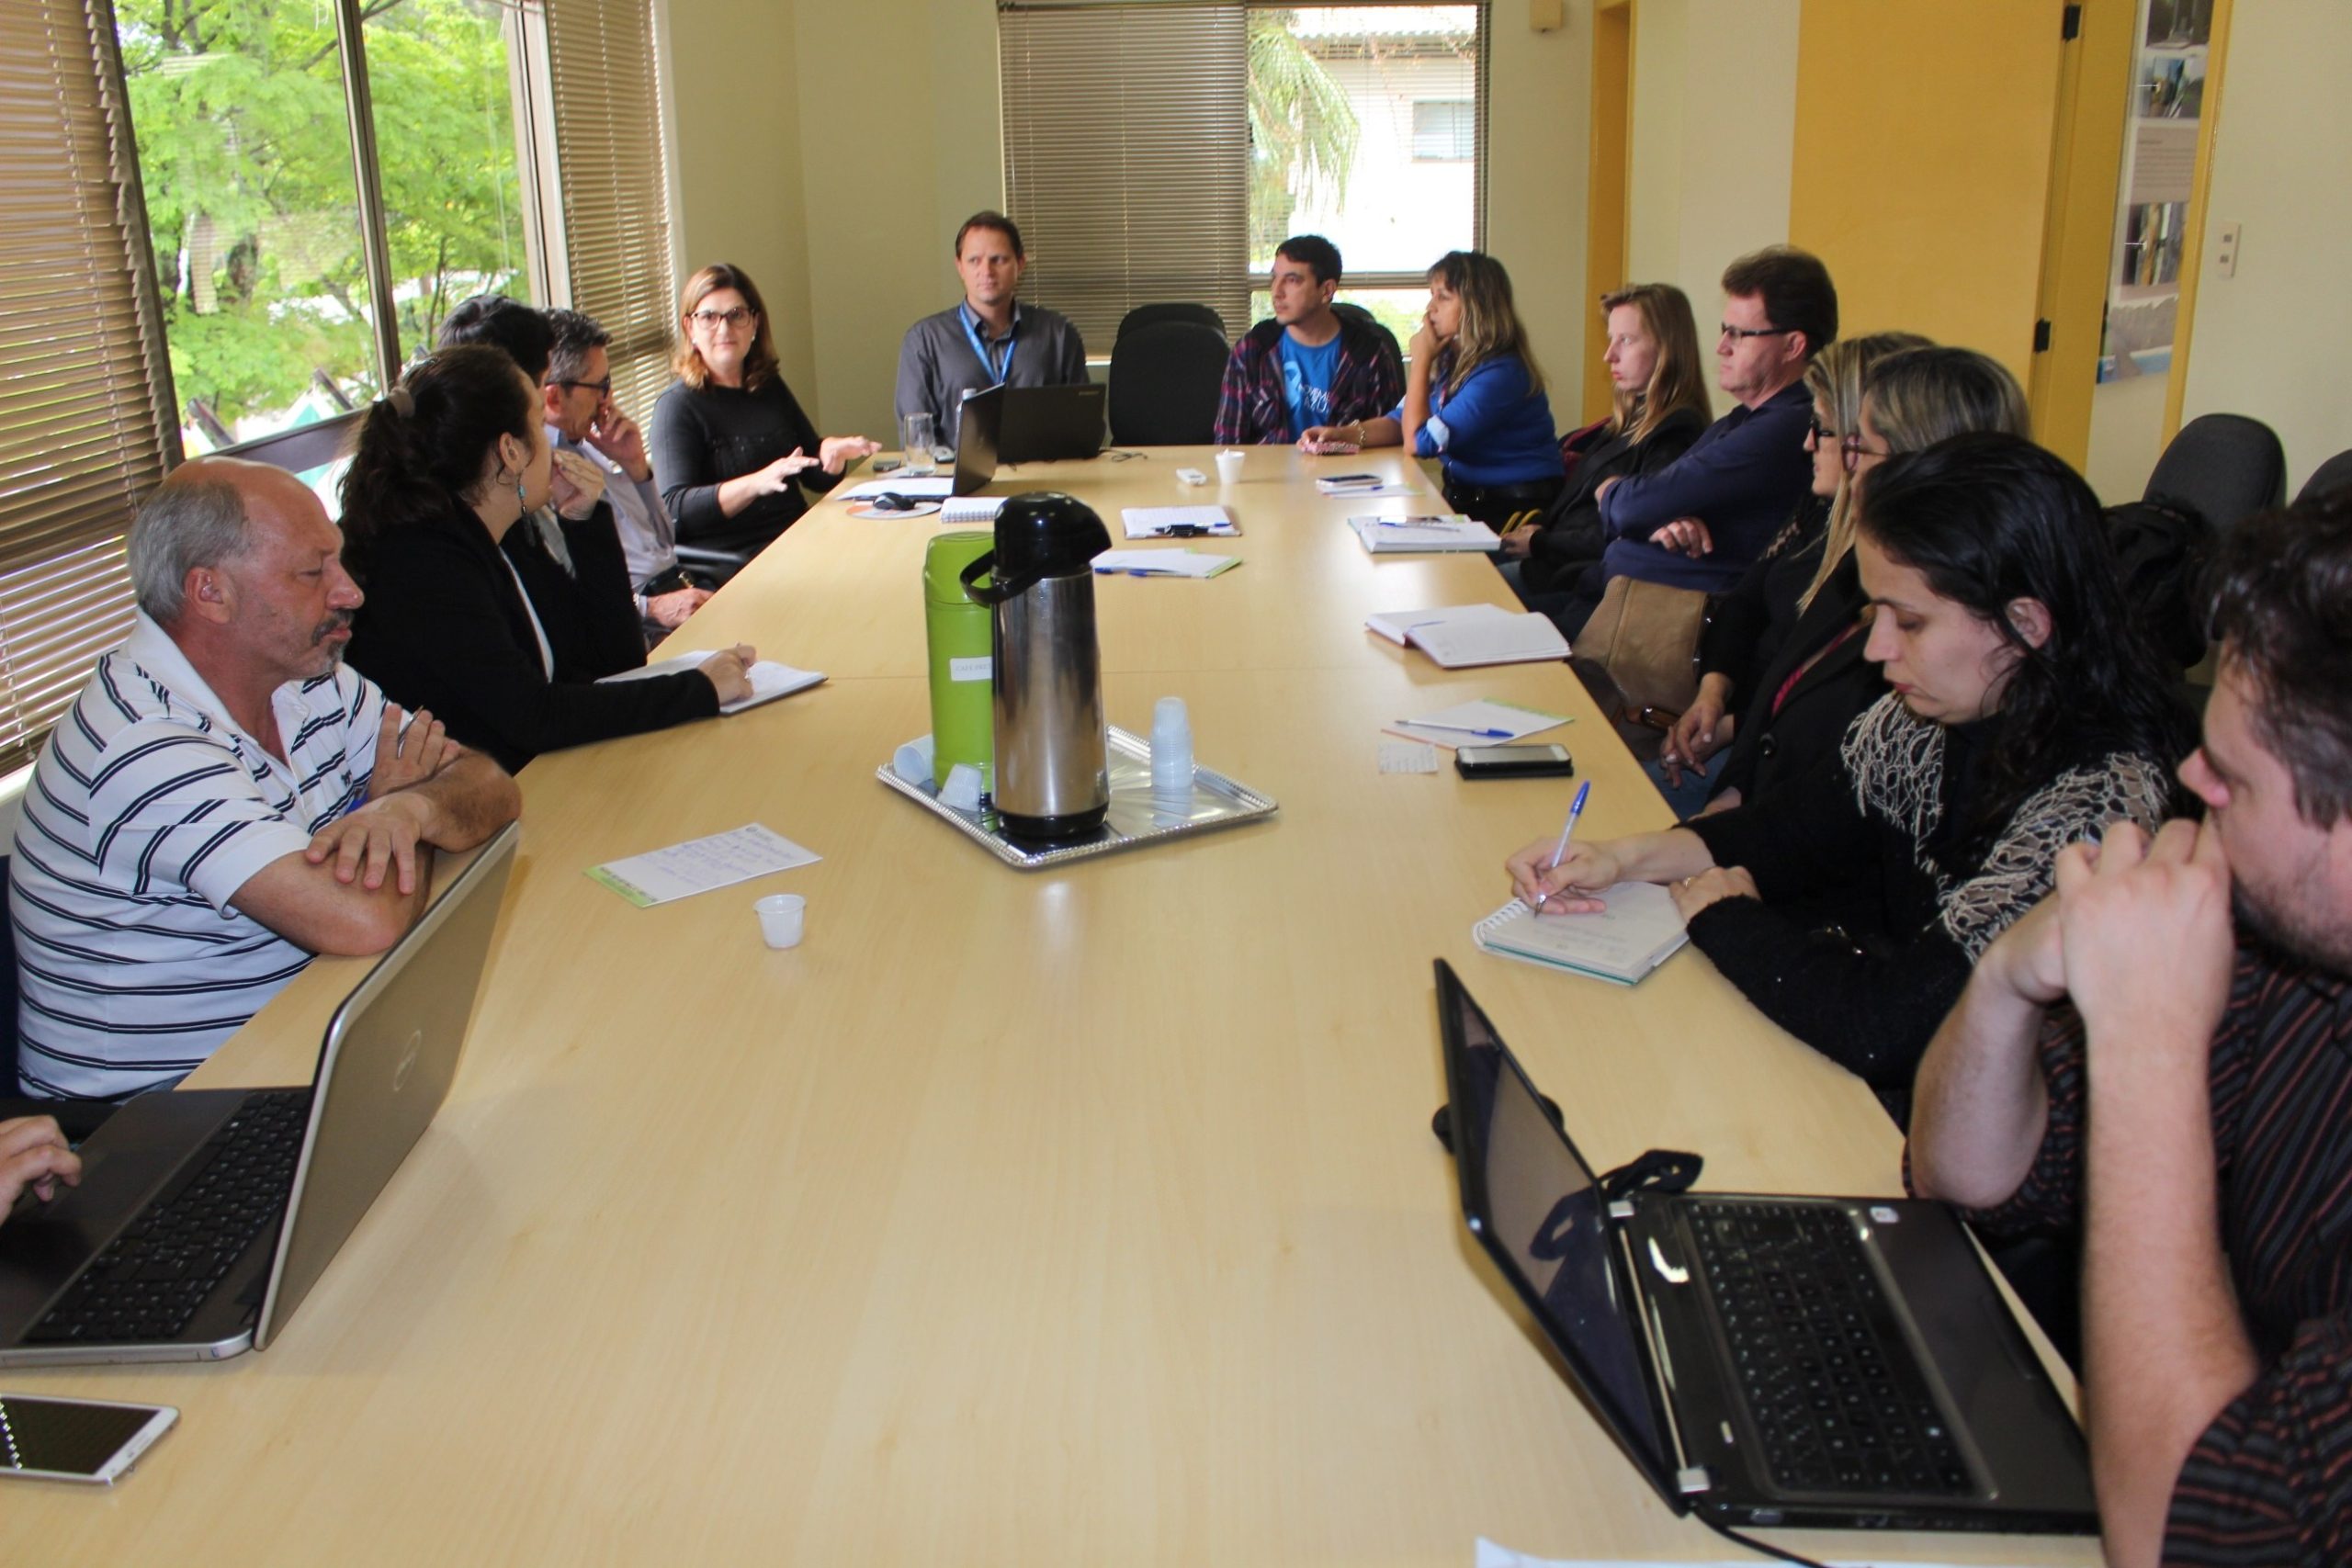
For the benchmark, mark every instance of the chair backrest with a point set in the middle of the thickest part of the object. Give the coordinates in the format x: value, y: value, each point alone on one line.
x: 2333, y: 475
x: 1164, y: 383
x: 2222, y: 467
x: 1174, y: 311
x: 1392, y: 355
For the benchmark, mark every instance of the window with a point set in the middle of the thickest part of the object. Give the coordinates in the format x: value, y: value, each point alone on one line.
x: 1160, y: 151
x: 1445, y: 131
x: 82, y: 402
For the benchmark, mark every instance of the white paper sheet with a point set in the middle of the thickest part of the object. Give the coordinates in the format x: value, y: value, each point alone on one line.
x: 1489, y: 1555
x: 699, y: 865
x: 1404, y: 535
x: 1461, y: 723
x: 1505, y: 639
x: 1395, y: 623
x: 1408, y: 757
x: 1154, y: 521
x: 769, y: 679
x: 1163, y: 563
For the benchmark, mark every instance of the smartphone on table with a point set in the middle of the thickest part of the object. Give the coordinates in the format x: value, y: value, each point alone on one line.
x: 1514, y: 761
x: 91, y: 1440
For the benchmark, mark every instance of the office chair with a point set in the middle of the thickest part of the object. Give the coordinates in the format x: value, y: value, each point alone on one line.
x: 1164, y: 383
x: 2336, y: 474
x: 1390, y: 355
x: 2223, y: 468
x: 1148, y: 315
x: 76, y: 1117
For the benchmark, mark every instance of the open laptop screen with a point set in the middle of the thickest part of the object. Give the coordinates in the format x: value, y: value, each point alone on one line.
x: 1537, y: 1208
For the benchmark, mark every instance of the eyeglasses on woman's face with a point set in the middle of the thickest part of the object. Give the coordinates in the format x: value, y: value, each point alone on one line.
x: 715, y: 321
x: 1819, y: 436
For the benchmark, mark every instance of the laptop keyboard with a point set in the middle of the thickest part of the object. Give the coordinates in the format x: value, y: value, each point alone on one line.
x: 1836, y: 1390
x: 149, y: 1282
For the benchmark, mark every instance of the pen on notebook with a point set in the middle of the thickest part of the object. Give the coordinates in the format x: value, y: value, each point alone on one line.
x: 1576, y: 809
x: 1463, y: 729
x: 1410, y: 522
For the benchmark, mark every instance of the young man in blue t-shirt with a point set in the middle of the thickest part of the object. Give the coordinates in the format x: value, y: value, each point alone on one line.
x: 1308, y: 364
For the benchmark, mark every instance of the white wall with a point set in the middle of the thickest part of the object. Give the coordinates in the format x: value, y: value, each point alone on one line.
x: 1714, y: 129
x: 2276, y: 341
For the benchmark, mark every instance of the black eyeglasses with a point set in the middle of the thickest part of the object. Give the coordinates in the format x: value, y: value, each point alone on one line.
x: 1823, y: 437
x: 734, y: 318
x: 602, y: 388
x: 1730, y: 331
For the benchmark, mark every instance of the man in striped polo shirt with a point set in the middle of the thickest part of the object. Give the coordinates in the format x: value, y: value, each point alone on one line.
x: 224, y: 799
x: 2173, y: 1074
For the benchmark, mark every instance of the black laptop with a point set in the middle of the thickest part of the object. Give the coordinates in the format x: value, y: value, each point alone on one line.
x: 1765, y: 1360
x: 1048, y: 424
x: 204, y: 1216
x: 977, y: 421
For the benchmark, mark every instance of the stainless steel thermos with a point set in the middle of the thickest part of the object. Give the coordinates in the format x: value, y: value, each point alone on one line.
x: 1053, y: 777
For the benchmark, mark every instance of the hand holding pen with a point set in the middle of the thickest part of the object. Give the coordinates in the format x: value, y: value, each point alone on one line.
x: 1557, y: 876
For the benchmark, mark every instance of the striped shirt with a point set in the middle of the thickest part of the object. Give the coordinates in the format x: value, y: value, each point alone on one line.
x: 148, y: 810
x: 2270, y: 1481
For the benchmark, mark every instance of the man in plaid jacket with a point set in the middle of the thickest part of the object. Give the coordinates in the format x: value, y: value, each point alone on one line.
x: 1308, y: 364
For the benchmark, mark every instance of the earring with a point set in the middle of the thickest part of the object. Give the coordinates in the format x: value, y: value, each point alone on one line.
x: 526, y: 505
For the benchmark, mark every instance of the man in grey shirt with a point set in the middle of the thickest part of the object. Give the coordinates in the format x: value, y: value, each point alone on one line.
x: 582, y: 418
x: 992, y: 338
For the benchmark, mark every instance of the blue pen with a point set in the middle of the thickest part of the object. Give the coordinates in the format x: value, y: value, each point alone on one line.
x: 1463, y: 729
x: 1576, y: 809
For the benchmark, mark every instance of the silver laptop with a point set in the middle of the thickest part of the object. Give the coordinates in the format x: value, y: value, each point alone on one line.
x: 204, y: 1216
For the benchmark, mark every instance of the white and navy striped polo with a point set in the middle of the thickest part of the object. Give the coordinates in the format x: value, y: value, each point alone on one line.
x: 148, y: 809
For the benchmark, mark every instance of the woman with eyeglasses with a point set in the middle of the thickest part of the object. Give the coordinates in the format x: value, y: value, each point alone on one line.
x: 731, y: 447
x: 1474, y: 397
x: 1660, y: 388
x: 2027, y: 712
x: 1783, y: 670
x: 445, y: 465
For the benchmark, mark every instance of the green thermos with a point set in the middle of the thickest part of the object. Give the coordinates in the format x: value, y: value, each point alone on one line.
x: 962, y: 695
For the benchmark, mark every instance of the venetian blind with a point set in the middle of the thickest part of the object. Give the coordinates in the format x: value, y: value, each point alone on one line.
x: 83, y: 438
x: 602, y: 65
x: 1127, y: 157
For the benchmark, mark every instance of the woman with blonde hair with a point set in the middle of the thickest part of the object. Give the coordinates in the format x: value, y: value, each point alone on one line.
x: 1784, y: 643
x: 732, y: 448
x: 1474, y: 397
x: 1660, y: 387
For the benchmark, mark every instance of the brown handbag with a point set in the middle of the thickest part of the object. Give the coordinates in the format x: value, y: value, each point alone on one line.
x: 1644, y: 635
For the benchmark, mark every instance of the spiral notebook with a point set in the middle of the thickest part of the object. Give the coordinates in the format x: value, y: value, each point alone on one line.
x: 1640, y: 930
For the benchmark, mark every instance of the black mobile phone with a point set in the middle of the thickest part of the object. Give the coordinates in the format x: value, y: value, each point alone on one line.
x: 1514, y: 761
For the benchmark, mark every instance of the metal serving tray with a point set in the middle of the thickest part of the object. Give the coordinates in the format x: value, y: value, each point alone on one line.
x: 1138, y: 817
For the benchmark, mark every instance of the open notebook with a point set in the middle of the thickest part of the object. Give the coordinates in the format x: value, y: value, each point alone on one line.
x: 1464, y: 635
x: 1639, y: 931
x: 769, y: 679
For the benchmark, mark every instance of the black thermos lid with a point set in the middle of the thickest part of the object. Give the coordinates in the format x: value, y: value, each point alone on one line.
x: 1046, y: 533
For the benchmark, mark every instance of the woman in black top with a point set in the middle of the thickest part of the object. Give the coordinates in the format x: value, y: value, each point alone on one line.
x: 1661, y: 392
x: 445, y: 466
x: 2026, y: 711
x: 732, y: 448
x: 1781, y: 654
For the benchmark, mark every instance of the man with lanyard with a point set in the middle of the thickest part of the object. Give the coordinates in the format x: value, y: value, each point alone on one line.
x: 1307, y: 364
x: 991, y: 339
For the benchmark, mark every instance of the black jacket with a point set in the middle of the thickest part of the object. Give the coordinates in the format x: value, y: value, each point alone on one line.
x: 1571, y: 538
x: 702, y: 436
x: 589, y: 617
x: 443, y: 628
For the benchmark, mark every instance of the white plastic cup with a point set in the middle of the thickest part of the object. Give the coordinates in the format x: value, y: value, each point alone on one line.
x: 912, y: 761
x: 781, y: 915
x: 961, y: 787
x: 1228, y: 468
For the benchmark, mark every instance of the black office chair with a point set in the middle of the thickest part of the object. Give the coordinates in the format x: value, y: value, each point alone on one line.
x: 1390, y: 355
x: 2336, y: 474
x: 2223, y: 468
x: 718, y: 566
x: 76, y: 1117
x: 1148, y: 315
x: 1164, y: 383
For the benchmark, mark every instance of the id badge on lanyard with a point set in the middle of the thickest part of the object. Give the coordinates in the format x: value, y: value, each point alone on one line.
x: 980, y: 347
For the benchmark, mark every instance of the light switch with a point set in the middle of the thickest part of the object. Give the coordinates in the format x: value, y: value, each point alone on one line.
x: 2225, y: 251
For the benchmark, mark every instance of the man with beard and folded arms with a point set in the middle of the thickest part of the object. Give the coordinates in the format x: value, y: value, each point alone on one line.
x: 225, y: 800
x: 2160, y: 1054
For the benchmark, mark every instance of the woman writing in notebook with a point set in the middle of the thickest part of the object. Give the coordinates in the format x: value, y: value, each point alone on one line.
x: 446, y: 463
x: 1474, y: 397
x: 2026, y: 711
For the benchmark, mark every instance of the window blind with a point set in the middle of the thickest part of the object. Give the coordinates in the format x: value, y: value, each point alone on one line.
x: 84, y: 432
x: 1127, y: 157
x: 615, y: 203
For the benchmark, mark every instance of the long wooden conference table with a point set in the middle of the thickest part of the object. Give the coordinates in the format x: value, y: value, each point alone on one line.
x: 1083, y: 1216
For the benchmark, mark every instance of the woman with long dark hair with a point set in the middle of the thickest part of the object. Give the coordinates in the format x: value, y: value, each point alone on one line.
x: 733, y: 450
x: 2026, y: 711
x: 445, y: 465
x: 1474, y: 397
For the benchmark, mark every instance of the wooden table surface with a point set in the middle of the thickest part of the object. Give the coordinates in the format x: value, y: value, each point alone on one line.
x: 1082, y: 1217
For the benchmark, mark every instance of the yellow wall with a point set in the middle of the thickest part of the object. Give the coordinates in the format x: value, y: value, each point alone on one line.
x: 2276, y: 341
x: 837, y: 143
x: 1714, y: 120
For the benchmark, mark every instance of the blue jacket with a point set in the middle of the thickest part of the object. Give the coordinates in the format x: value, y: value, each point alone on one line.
x: 1490, y: 432
x: 1742, y: 478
